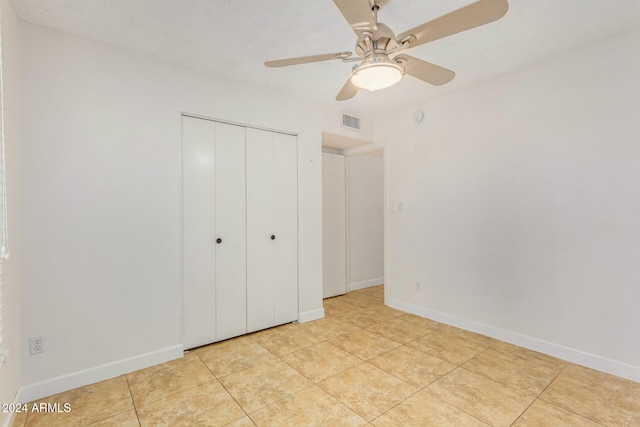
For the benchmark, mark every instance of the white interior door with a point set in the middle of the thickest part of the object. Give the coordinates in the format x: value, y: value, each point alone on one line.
x: 198, y: 224
x: 334, y: 278
x: 260, y: 254
x: 231, y: 267
x: 272, y: 229
x: 285, y: 227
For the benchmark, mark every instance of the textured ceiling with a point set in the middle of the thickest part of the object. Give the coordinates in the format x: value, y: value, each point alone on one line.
x: 234, y: 37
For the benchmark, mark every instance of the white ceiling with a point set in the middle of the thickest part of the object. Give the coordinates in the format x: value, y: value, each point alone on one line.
x: 234, y: 37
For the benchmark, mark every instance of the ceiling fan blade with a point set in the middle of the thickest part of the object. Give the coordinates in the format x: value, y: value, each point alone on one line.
x: 471, y: 16
x: 425, y: 71
x: 307, y: 59
x: 348, y: 91
x: 358, y: 13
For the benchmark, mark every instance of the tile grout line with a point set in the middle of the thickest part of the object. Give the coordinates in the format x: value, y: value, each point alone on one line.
x: 560, y: 407
x: 133, y: 402
x: 225, y: 388
x: 454, y: 406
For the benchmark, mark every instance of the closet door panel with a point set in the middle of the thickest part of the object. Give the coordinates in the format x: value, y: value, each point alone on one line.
x: 285, y: 227
x: 198, y: 224
x: 230, y: 280
x: 260, y: 267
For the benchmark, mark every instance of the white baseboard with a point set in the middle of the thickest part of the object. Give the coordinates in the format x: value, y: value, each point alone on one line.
x: 610, y: 366
x: 308, y: 316
x: 365, y: 284
x: 77, y: 379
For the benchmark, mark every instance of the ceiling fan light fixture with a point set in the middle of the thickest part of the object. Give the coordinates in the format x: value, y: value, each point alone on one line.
x: 377, y: 72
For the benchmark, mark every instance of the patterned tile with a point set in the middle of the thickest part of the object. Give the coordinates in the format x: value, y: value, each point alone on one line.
x: 233, y: 355
x: 321, y: 361
x: 88, y: 404
x: 207, y: 404
x: 364, y: 344
x: 285, y: 339
x: 263, y: 384
x: 487, y: 400
x: 328, y: 327
x: 309, y: 407
x: 545, y: 414
x: 415, y: 367
x: 531, y: 375
x: 367, y: 390
x: 424, y: 410
x: 600, y: 397
x: 168, y: 378
x: 448, y: 345
x: 399, y: 330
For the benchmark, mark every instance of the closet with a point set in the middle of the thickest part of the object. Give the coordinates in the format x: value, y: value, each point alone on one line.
x: 239, y: 222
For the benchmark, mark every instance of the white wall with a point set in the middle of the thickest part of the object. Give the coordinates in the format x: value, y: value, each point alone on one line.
x: 522, y: 207
x: 101, y: 201
x: 365, y: 218
x: 10, y: 378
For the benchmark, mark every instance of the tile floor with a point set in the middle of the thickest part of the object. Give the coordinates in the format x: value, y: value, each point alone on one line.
x: 364, y: 364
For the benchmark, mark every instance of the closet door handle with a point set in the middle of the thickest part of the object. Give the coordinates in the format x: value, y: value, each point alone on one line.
x: 273, y: 237
x: 218, y: 240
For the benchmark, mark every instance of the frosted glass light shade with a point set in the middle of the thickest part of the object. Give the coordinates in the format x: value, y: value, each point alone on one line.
x: 376, y: 75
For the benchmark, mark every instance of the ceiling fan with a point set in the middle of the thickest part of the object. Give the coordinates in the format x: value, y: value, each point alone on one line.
x: 380, y: 51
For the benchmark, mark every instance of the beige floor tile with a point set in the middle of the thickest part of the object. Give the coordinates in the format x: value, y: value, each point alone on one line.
x: 491, y: 402
x: 398, y: 330
x: 531, y: 375
x: 361, y: 300
x: 328, y: 327
x: 207, y: 404
x: 233, y: 355
x: 126, y: 419
x: 337, y: 305
x: 448, y: 346
x: 425, y: 323
x: 367, y: 390
x: 364, y: 344
x: 365, y: 317
x: 377, y: 290
x: 242, y: 422
x: 321, y: 361
x: 311, y: 407
x: 415, y: 367
x: 168, y: 378
x: 527, y: 354
x: 286, y: 339
x: 541, y: 413
x: 425, y: 410
x: 387, y: 312
x: 471, y: 337
x: 600, y: 397
x: 261, y: 385
x: 89, y: 404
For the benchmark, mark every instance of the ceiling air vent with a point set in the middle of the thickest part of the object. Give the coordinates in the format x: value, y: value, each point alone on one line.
x: 351, y: 122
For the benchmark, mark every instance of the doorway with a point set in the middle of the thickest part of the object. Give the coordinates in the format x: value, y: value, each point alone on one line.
x: 353, y: 219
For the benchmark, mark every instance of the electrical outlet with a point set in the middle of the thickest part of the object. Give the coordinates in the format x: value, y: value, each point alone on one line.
x: 36, y: 345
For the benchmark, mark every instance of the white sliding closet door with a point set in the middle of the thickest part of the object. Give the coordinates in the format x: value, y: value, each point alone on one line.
x: 198, y: 224
x: 230, y: 280
x: 285, y: 227
x: 272, y: 273
x: 240, y: 230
